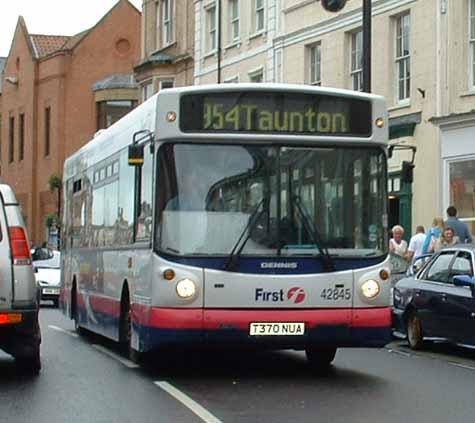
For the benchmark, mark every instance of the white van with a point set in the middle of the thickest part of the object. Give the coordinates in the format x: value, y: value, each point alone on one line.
x: 19, y: 296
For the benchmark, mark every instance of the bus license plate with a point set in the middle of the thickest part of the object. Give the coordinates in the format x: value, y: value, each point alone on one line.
x: 264, y: 328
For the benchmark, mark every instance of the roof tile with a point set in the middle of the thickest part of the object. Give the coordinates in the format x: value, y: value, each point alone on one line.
x: 45, y: 45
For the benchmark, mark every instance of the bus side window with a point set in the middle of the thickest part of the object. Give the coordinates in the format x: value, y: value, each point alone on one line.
x: 143, y: 230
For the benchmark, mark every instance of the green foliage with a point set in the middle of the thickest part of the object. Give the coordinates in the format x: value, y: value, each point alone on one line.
x: 50, y: 219
x: 55, y: 181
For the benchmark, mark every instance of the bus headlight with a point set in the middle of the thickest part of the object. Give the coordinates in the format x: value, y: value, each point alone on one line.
x: 370, y: 288
x: 186, y: 288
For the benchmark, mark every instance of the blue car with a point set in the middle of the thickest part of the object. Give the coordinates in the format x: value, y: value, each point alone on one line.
x: 438, y: 301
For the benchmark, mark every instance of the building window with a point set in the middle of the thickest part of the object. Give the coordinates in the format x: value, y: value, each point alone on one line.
x: 233, y: 20
x: 147, y: 90
x: 259, y: 15
x: 356, y: 70
x: 166, y: 83
x: 11, y: 139
x: 47, y: 130
x: 256, y: 75
x: 315, y: 77
x: 472, y: 42
x: 403, y: 58
x: 167, y: 22
x: 461, y: 177
x: 211, y: 28
x: 109, y: 112
x: 21, y: 138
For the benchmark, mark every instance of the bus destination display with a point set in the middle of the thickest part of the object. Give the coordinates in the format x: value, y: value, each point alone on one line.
x: 276, y: 113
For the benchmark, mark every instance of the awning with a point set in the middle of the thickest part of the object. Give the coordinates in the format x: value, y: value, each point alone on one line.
x: 404, y: 126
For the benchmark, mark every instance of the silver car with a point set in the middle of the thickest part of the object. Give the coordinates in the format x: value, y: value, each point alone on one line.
x: 19, y: 296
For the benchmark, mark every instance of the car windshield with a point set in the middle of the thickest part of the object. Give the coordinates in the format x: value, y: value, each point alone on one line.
x: 51, y: 263
x: 334, y: 196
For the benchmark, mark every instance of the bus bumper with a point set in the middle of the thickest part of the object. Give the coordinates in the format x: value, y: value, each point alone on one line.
x: 166, y: 327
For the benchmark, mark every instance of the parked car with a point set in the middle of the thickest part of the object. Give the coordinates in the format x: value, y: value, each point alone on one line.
x: 19, y: 297
x: 438, y: 301
x: 47, y: 273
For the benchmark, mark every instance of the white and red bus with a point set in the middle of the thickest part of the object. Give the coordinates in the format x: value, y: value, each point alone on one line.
x: 233, y: 215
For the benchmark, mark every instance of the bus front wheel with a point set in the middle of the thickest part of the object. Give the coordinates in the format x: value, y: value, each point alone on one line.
x: 320, y: 358
x: 126, y: 332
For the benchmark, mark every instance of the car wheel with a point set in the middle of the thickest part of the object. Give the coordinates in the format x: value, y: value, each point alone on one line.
x: 414, y: 332
x: 30, y: 365
x: 320, y: 358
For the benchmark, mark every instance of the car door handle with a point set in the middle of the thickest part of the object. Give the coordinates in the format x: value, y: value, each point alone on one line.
x: 444, y: 297
x: 418, y: 293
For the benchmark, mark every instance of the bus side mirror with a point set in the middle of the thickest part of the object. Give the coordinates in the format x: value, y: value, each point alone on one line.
x: 136, y: 155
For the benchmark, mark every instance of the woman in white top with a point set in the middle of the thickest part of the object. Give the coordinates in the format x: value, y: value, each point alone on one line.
x: 396, y: 244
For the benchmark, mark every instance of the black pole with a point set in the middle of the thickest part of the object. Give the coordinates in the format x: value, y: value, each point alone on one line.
x: 58, y: 224
x: 367, y: 46
x: 219, y: 42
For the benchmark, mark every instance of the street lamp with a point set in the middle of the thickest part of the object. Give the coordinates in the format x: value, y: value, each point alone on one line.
x: 336, y: 6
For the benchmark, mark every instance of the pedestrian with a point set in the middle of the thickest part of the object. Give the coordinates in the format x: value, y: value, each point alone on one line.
x: 460, y: 228
x: 396, y: 244
x: 434, y: 233
x: 447, y: 239
x: 416, y: 243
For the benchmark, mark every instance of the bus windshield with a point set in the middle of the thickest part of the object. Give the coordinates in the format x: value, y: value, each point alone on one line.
x: 207, y: 196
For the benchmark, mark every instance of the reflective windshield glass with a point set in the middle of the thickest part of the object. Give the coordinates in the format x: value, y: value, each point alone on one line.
x: 278, y: 200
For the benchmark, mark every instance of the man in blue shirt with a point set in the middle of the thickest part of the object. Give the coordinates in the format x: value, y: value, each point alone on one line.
x: 460, y: 228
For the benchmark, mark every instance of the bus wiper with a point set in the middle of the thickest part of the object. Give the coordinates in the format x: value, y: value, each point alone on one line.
x: 233, y: 258
x: 328, y: 264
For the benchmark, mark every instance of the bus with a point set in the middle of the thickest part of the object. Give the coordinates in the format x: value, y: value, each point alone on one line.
x: 234, y: 215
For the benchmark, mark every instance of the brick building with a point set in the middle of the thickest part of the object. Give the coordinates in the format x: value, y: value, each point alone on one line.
x: 57, y: 92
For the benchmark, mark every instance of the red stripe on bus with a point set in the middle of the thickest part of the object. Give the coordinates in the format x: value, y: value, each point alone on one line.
x: 371, y: 317
x: 212, y: 319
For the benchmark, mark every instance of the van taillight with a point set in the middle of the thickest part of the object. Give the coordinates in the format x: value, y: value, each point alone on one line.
x: 20, y: 245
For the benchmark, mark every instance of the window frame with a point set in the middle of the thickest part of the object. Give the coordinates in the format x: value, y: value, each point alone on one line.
x: 258, y: 10
x: 21, y: 137
x: 315, y: 64
x: 234, y: 20
x: 144, y: 89
x: 211, y: 27
x: 11, y: 139
x: 402, y: 61
x: 356, y: 60
x: 166, y: 10
x: 255, y: 73
x: 47, y: 131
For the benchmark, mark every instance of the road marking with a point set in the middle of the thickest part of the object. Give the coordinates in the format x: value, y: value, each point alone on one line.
x: 200, y: 411
x: 463, y: 366
x: 67, y: 332
x: 405, y: 354
x: 122, y: 360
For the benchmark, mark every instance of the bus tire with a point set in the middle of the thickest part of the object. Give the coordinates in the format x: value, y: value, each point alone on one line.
x: 320, y: 358
x: 415, y: 334
x: 125, y: 329
x: 75, y: 312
